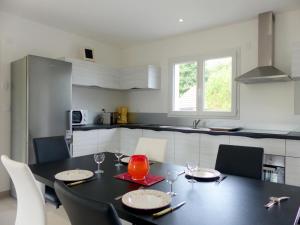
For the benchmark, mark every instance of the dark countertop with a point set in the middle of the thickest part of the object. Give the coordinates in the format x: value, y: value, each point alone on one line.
x: 156, y: 127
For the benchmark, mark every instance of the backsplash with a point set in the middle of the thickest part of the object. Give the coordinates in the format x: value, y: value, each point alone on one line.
x: 95, y: 99
x: 164, y: 119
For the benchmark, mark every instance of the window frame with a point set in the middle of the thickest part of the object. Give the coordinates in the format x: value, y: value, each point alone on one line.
x: 172, y: 64
x: 200, y: 59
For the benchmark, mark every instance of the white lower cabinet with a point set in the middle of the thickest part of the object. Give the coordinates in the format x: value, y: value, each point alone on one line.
x: 129, y: 139
x: 183, y: 147
x: 209, y: 146
x: 92, y: 141
x: 85, y: 142
x: 292, y: 162
x: 293, y: 148
x: 270, y: 145
x: 292, y: 170
x: 186, y: 147
x: 169, y: 136
x: 108, y: 140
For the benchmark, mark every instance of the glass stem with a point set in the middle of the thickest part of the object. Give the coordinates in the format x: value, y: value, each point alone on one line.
x: 98, y: 166
x: 171, y: 188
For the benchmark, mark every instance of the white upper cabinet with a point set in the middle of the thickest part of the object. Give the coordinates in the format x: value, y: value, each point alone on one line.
x: 144, y: 77
x: 85, y: 73
x: 271, y: 146
x: 295, y: 73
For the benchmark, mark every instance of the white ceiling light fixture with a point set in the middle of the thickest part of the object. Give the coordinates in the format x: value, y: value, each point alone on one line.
x: 180, y: 20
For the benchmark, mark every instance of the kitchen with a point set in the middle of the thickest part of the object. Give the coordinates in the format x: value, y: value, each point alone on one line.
x: 267, y: 112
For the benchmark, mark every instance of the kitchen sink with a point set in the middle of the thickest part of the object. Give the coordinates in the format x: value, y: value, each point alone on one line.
x: 185, y: 128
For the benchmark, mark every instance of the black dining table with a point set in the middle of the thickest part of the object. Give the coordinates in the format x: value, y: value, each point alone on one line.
x: 234, y: 201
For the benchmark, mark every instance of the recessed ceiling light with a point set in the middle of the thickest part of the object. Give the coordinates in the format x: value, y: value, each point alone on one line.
x: 180, y: 20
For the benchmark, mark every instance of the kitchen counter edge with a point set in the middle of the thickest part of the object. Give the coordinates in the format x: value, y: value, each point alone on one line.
x: 241, y: 133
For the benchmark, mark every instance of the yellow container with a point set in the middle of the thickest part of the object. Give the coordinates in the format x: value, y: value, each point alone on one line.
x: 122, y: 111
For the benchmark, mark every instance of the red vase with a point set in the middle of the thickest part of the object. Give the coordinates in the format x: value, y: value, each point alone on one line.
x: 138, y: 167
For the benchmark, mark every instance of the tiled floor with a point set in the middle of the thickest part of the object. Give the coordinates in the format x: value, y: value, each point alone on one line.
x: 8, y: 208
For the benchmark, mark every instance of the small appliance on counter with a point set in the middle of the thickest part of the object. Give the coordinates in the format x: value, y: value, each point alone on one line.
x: 79, y: 117
x: 122, y: 112
x: 107, y: 118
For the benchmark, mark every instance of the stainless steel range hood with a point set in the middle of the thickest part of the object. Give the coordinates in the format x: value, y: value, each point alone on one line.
x: 265, y: 72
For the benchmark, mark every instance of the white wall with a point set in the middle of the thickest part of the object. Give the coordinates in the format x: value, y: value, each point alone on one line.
x: 266, y: 106
x: 20, y: 37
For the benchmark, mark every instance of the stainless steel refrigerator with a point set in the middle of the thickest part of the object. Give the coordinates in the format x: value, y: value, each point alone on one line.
x: 40, y: 100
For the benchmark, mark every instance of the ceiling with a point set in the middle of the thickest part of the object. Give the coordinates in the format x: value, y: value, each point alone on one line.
x: 127, y: 22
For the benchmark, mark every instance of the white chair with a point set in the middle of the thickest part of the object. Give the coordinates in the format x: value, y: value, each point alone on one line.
x: 30, y: 201
x: 153, y: 148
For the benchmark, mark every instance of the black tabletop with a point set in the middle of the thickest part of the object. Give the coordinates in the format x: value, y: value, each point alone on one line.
x: 235, y: 201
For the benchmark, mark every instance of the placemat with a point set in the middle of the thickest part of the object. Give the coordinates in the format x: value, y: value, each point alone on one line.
x: 149, y: 180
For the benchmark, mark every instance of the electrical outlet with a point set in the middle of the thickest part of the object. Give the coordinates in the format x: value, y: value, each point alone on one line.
x: 68, y: 134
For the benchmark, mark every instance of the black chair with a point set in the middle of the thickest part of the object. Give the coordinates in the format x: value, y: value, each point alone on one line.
x: 50, y: 149
x: 240, y: 161
x: 82, y: 211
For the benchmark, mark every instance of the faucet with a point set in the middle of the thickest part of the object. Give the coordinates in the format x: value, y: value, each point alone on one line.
x: 196, y: 123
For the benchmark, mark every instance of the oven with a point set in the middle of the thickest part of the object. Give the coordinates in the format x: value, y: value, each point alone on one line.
x: 274, y: 168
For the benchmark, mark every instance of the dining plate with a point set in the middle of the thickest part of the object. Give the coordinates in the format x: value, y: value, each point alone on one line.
x: 205, y: 173
x: 74, y: 175
x: 125, y: 160
x: 146, y: 199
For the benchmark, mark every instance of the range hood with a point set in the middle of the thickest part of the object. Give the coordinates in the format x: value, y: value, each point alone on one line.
x: 265, y: 72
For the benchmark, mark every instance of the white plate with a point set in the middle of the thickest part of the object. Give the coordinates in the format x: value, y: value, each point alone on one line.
x: 74, y: 175
x: 205, y: 173
x: 146, y: 199
x: 125, y: 160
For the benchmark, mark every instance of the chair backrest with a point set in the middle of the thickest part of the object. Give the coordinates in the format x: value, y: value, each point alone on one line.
x: 297, y: 219
x: 30, y: 201
x: 50, y: 149
x: 82, y: 211
x: 240, y: 160
x: 154, y: 148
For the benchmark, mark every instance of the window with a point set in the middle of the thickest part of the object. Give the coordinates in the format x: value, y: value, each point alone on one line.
x: 204, y: 85
x: 185, y: 92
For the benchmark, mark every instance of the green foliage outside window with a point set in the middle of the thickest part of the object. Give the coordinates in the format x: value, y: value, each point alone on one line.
x: 217, y: 91
x: 187, y: 77
x: 217, y: 83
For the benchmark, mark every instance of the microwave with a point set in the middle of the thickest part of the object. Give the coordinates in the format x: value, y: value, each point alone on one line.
x: 79, y: 117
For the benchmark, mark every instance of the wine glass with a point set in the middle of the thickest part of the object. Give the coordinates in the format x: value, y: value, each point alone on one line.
x: 171, y: 178
x: 191, y: 167
x: 99, y: 158
x: 118, y: 156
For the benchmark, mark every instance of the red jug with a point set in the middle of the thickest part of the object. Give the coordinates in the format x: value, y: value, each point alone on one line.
x: 138, y: 167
